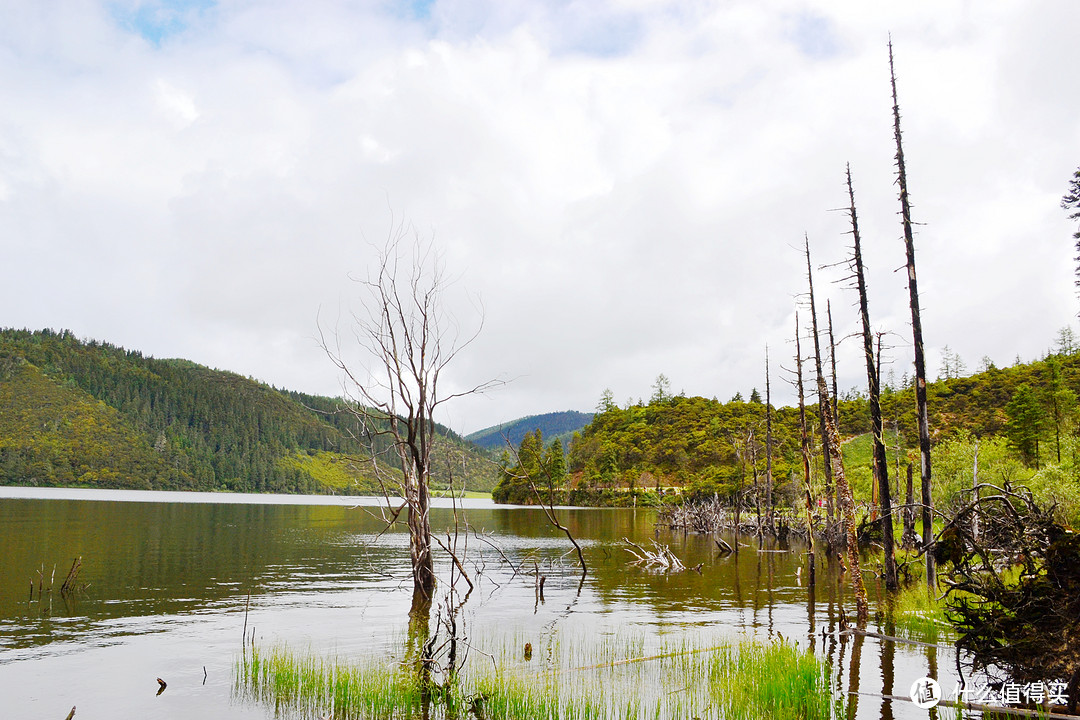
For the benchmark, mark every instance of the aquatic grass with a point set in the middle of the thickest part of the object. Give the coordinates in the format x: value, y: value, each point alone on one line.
x: 773, y: 680
x: 618, y: 676
x: 918, y: 613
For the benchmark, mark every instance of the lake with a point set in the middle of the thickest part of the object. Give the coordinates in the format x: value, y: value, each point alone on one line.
x: 174, y: 577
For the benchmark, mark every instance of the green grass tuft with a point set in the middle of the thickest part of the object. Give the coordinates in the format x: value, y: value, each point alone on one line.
x: 617, y: 677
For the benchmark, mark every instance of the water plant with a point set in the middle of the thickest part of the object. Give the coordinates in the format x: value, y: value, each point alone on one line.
x: 918, y: 612
x: 628, y: 677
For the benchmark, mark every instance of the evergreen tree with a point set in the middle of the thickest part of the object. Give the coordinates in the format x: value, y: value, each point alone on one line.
x: 555, y: 464
x: 1026, y: 420
x: 1059, y: 401
x: 661, y: 390
x: 607, y: 401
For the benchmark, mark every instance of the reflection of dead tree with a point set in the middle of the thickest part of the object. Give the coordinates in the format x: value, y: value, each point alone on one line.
x: 407, y: 341
x: 1028, y: 626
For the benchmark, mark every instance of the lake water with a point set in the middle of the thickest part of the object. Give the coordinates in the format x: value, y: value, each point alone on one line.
x: 173, y: 577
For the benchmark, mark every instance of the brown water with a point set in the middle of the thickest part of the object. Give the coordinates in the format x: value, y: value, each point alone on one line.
x: 170, y: 575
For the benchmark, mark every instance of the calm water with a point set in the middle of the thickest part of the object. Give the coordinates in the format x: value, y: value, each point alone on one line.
x: 170, y: 576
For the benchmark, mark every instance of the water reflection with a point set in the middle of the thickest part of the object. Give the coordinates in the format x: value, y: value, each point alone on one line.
x: 168, y: 585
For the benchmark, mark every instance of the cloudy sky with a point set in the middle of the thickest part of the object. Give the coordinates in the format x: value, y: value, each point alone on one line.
x: 622, y: 185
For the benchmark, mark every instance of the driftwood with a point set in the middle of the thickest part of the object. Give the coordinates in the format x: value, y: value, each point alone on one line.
x: 659, y: 558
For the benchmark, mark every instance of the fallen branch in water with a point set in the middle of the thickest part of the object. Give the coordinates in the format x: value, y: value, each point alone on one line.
x: 991, y: 710
x: 660, y: 558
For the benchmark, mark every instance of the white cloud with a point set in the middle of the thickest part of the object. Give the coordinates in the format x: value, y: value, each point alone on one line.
x: 624, y: 184
x: 177, y: 106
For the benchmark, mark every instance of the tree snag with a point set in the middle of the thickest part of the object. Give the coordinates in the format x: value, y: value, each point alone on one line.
x: 769, y: 519
x: 917, y: 337
x: 873, y: 380
x: 805, y: 448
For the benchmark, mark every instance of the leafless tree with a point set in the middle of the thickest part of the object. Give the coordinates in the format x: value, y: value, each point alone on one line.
x: 407, y: 339
x: 804, y: 445
x: 768, y: 449
x: 873, y: 378
x: 916, y: 329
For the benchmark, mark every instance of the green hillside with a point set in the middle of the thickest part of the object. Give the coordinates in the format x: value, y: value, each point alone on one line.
x: 93, y: 414
x: 1022, y: 420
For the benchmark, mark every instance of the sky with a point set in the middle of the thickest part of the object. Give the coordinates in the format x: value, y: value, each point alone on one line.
x: 618, y: 189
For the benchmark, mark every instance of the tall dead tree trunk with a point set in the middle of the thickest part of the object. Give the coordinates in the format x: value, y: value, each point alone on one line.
x: 805, y: 447
x: 917, y: 337
x: 826, y: 456
x: 832, y: 363
x: 835, y: 390
x: 832, y: 444
x: 769, y: 519
x: 873, y: 380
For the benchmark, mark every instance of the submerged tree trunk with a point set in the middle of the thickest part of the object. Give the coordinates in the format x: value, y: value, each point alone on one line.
x: 916, y: 329
x: 805, y: 447
x: 832, y: 444
x: 873, y: 378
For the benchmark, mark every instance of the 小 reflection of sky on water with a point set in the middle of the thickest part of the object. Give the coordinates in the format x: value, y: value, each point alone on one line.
x: 170, y: 574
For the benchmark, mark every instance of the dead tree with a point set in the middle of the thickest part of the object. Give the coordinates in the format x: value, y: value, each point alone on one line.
x: 805, y: 447
x: 873, y: 380
x: 832, y: 447
x: 826, y: 456
x: 917, y: 336
x: 768, y: 450
x: 832, y: 364
x: 407, y: 341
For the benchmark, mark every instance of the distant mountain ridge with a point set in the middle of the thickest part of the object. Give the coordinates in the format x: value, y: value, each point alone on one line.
x: 561, y: 425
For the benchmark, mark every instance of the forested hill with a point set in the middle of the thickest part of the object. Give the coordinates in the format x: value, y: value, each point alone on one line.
x: 90, y: 414
x: 561, y: 425
x: 707, y: 446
